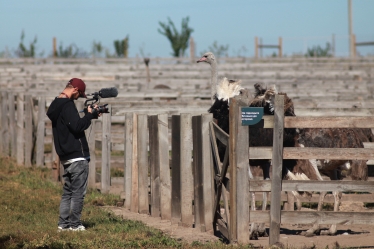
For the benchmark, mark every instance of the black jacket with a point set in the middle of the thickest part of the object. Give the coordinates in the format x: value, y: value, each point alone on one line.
x: 68, y: 129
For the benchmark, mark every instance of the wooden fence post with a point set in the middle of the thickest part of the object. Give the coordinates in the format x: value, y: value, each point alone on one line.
x: 20, y: 130
x: 54, y: 47
x: 192, y: 50
x: 135, y: 167
x: 154, y: 165
x: 143, y: 164
x: 165, y: 181
x: 91, y: 144
x: 175, y: 169
x: 128, y: 158
x: 105, y: 152
x: 40, y: 132
x: 4, y: 123
x: 28, y: 130
x: 277, y: 161
x: 256, y: 47
x: 208, y: 175
x: 239, y: 179
x: 198, y: 174
x: 12, y: 125
x: 186, y: 175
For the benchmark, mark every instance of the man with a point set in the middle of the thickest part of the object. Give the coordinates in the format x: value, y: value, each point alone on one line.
x: 72, y: 148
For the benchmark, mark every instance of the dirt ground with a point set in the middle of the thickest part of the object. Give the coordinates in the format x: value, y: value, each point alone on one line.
x: 353, y: 236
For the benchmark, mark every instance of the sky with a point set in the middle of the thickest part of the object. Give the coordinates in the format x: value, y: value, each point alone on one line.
x: 302, y: 24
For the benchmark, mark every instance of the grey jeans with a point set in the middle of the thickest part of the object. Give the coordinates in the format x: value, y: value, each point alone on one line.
x: 74, y: 191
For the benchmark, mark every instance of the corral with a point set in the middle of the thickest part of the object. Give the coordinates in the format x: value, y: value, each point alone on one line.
x: 178, y: 97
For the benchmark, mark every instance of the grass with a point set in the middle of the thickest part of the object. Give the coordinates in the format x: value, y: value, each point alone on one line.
x: 29, y: 212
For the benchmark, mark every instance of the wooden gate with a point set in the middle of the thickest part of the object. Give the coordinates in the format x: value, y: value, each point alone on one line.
x: 234, y: 223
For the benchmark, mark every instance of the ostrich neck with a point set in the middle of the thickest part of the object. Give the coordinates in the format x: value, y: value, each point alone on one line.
x: 213, y: 79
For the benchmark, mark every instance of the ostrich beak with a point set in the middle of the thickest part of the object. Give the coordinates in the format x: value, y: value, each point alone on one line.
x: 202, y: 59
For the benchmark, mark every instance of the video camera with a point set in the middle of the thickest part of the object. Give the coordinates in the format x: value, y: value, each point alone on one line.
x: 103, y: 93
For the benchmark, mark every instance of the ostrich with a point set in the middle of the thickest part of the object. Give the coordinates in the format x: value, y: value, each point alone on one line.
x: 296, y: 169
x: 263, y: 137
x: 209, y: 58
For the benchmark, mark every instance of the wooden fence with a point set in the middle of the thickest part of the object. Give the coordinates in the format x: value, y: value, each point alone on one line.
x: 178, y: 189
x: 175, y: 180
x: 240, y: 216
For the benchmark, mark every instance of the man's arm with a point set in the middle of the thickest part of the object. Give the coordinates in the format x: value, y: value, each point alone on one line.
x: 75, y: 123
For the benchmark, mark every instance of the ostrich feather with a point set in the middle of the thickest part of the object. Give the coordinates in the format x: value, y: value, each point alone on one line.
x: 227, y: 89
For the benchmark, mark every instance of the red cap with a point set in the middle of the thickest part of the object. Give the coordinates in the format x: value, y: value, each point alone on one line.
x: 78, y: 83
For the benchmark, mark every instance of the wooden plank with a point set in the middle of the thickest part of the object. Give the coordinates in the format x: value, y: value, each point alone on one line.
x: 20, y: 129
x: 323, y: 122
x: 165, y: 180
x: 5, y: 124
x: 208, y: 175
x: 221, y: 135
x: 222, y: 227
x: 40, y: 132
x: 313, y: 153
x: 154, y: 165
x: 198, y: 174
x: 352, y: 197
x: 128, y: 143
x: 143, y: 164
x: 135, y: 167
x: 12, y: 125
x: 312, y: 217
x: 186, y: 170
x: 28, y: 130
x: 277, y: 162
x: 326, y: 153
x: 175, y: 169
x: 105, y: 152
x: 328, y: 122
x: 234, y: 120
x: 90, y: 134
x: 369, y: 145
x: 300, y: 185
x: 242, y: 181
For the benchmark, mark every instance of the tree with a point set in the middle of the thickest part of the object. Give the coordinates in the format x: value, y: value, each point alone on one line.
x: 22, y: 51
x: 218, y: 50
x: 97, y: 49
x: 178, y: 40
x: 318, y: 51
x: 121, y: 47
x: 71, y: 51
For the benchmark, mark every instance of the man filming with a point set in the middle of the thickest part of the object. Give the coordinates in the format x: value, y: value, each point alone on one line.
x: 72, y: 148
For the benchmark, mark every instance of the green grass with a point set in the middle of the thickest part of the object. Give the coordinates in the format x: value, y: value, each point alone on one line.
x: 29, y: 213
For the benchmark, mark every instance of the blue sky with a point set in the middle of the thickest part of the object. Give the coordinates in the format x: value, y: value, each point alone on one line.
x: 301, y: 24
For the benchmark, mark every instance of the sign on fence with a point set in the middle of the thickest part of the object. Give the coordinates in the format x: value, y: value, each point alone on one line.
x: 251, y: 115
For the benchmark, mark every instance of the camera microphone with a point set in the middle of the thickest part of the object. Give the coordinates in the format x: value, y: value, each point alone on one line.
x: 106, y: 92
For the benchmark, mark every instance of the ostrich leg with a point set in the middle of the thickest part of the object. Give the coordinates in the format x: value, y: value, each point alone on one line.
x: 316, y: 229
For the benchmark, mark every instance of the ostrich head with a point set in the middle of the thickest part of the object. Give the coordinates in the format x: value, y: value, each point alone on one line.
x: 264, y: 97
x: 208, y: 57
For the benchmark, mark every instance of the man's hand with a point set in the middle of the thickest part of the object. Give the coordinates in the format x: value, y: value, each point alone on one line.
x: 94, y: 111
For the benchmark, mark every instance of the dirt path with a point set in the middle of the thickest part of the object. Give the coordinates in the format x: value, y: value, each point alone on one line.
x: 178, y: 232
x: 356, y: 236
